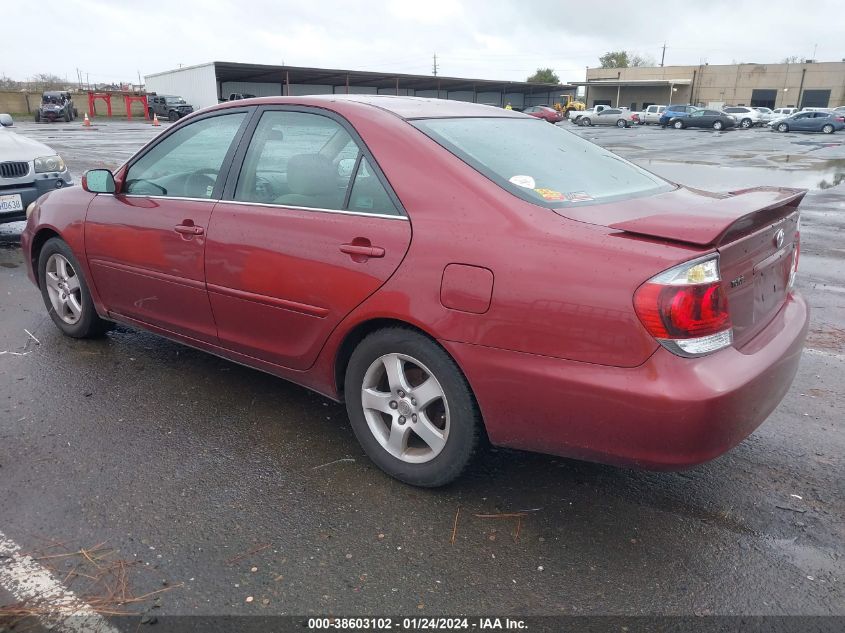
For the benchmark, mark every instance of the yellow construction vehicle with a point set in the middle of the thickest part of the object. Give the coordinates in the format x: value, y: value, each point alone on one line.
x: 569, y: 104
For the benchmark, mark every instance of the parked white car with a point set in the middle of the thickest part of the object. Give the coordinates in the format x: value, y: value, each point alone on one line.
x: 620, y: 117
x: 766, y: 115
x: 575, y: 115
x: 27, y: 170
x: 783, y: 112
x: 651, y: 114
x: 745, y: 117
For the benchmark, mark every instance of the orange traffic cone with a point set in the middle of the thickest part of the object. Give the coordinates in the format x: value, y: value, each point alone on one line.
x: 86, y: 122
x: 155, y: 120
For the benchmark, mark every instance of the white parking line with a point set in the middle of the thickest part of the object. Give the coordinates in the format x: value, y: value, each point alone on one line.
x: 28, y: 581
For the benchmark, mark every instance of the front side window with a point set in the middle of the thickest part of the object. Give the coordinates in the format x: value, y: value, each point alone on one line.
x: 186, y: 163
x: 300, y: 159
x: 549, y: 167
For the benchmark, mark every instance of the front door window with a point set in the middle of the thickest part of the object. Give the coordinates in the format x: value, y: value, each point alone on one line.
x: 187, y: 163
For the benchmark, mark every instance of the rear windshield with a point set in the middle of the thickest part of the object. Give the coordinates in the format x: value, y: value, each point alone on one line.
x: 540, y: 163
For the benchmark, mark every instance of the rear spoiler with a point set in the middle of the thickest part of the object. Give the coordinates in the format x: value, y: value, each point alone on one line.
x: 726, y: 217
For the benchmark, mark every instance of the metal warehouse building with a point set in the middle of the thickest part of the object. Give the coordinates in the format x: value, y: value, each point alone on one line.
x: 206, y: 84
x: 814, y: 84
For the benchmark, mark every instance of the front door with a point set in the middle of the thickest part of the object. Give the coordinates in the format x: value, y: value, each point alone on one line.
x: 145, y: 244
x: 803, y: 121
x: 307, y: 230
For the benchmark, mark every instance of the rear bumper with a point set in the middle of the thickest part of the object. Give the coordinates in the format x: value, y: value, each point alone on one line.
x: 669, y: 413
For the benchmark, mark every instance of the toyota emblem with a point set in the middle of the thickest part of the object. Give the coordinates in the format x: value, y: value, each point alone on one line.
x: 779, y: 238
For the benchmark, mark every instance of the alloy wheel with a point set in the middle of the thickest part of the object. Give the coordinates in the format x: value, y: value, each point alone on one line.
x: 405, y: 408
x: 63, y: 289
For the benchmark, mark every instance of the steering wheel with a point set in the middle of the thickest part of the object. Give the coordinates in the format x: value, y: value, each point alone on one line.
x: 198, y: 182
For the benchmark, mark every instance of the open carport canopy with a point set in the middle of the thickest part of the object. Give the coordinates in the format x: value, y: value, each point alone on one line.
x: 289, y: 75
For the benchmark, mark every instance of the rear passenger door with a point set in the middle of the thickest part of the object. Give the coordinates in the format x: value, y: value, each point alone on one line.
x: 308, y: 228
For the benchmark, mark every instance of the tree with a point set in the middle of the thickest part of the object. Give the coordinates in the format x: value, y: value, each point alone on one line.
x: 48, y: 81
x: 544, y: 76
x: 615, y: 59
x: 641, y: 60
x: 792, y: 59
x: 6, y: 83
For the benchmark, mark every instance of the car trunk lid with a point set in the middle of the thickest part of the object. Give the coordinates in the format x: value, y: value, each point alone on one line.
x: 754, y: 231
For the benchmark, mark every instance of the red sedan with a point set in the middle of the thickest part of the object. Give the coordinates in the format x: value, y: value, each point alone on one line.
x: 545, y: 112
x: 447, y: 270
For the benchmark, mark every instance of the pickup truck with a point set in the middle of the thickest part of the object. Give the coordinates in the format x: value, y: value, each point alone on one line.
x: 574, y: 115
x: 651, y: 114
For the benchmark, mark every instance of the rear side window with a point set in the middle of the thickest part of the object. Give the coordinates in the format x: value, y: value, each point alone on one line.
x: 549, y: 167
x: 368, y: 195
x: 299, y: 159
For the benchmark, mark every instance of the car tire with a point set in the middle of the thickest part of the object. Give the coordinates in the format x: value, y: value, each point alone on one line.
x: 65, y: 292
x: 783, y: 127
x: 678, y: 125
x: 718, y: 125
x: 173, y: 115
x: 586, y: 121
x: 746, y: 124
x: 451, y: 420
x: 828, y: 129
x: 621, y: 123
x: 37, y: 116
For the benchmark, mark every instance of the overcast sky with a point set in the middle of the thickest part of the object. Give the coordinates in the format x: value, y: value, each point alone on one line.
x: 492, y: 39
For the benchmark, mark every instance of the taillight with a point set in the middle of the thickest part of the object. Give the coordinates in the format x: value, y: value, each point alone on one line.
x: 686, y: 309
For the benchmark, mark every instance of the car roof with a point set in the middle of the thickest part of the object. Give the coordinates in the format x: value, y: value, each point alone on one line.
x: 403, y: 107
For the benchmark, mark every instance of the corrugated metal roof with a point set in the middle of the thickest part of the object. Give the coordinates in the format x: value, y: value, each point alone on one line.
x: 236, y: 71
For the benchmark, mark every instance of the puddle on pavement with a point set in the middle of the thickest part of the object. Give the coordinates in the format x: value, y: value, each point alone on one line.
x: 788, y: 171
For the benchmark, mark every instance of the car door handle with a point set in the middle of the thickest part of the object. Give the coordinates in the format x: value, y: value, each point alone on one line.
x: 361, y: 250
x: 188, y: 229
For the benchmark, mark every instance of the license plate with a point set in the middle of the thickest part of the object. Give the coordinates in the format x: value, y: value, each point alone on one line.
x: 11, y: 203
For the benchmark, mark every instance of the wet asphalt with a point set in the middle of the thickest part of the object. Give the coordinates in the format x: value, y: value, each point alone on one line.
x: 185, y: 463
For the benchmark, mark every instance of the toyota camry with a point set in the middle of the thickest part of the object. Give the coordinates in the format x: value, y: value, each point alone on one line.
x: 450, y: 271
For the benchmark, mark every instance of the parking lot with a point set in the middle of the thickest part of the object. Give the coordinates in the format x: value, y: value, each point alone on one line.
x: 242, y: 494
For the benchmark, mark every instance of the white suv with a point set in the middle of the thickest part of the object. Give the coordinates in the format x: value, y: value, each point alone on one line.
x: 745, y: 117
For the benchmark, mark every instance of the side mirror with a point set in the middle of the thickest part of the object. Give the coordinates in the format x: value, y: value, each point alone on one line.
x: 6, y: 120
x: 98, y: 181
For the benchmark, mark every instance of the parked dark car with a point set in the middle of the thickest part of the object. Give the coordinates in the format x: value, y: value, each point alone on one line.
x: 631, y: 321
x: 826, y: 122
x: 168, y: 106
x: 56, y: 105
x: 703, y: 118
x: 544, y: 112
x: 675, y: 111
